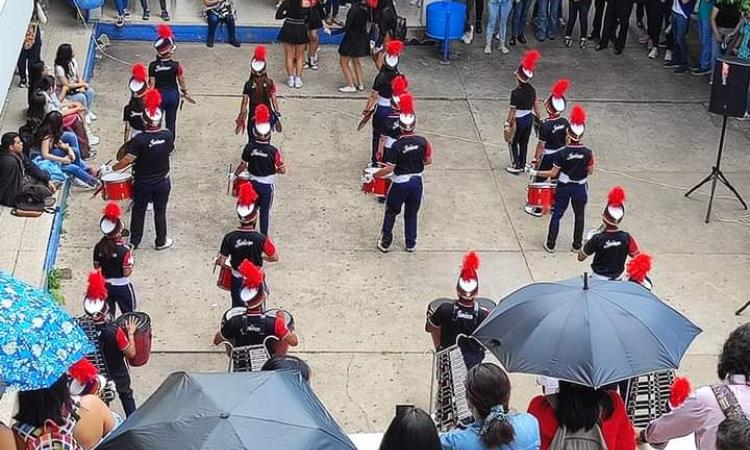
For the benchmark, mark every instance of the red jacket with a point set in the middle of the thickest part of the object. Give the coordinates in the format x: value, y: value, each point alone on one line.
x: 617, y: 430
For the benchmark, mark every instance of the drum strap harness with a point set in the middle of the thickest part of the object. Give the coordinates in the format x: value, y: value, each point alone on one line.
x: 728, y: 402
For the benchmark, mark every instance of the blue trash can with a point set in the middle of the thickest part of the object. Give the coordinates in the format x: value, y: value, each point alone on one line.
x: 445, y: 20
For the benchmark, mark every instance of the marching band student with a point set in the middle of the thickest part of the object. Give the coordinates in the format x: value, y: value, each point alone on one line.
x: 259, y: 89
x: 461, y: 317
x: 552, y: 134
x: 249, y: 325
x: 245, y: 243
x: 263, y: 161
x: 379, y: 102
x: 406, y: 161
x: 167, y: 76
x: 572, y: 166
x: 113, y: 257
x: 612, y: 246
x: 392, y: 130
x: 523, y: 109
x: 132, y: 114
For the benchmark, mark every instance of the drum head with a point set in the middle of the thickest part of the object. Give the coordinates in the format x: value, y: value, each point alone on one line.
x: 116, y: 176
x: 370, y: 170
x: 544, y: 185
x: 144, y: 321
x: 244, y: 175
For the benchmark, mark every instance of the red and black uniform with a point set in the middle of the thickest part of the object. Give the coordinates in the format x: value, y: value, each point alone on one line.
x: 133, y: 115
x: 611, y: 249
x: 263, y: 162
x: 259, y: 89
x: 243, y: 328
x: 383, y: 108
x: 522, y: 100
x: 165, y: 73
x: 113, y: 258
x: 113, y: 341
x: 553, y: 132
x: 572, y: 188
x: 459, y: 318
x: 242, y: 244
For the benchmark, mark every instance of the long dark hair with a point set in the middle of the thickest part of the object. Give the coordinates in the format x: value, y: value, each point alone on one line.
x: 63, y: 58
x: 36, y: 69
x: 735, y: 355
x: 51, y: 127
x: 581, y: 407
x: 411, y: 430
x: 52, y: 403
x: 487, y: 387
x: 37, y: 105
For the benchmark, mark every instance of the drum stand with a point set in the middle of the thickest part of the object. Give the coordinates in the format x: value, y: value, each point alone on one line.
x: 717, y: 175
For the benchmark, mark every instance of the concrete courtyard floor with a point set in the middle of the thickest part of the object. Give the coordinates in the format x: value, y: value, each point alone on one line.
x: 359, y: 313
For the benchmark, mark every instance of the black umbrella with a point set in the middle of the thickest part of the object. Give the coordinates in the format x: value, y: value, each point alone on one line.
x: 586, y: 331
x: 230, y: 411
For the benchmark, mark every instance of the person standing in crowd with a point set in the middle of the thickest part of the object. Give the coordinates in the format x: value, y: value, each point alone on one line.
x: 117, y: 345
x: 518, y: 19
x: 596, y: 26
x: 733, y: 434
x: 547, y: 19
x: 147, y: 12
x: 32, y: 45
x: 294, y: 38
x: 263, y: 161
x: 705, y: 38
x: 725, y: 17
x: 681, y: 11
x: 523, y: 109
x: 654, y: 21
x: 167, y: 76
x: 113, y: 258
x: 616, y: 24
x: 496, y: 426
x: 19, y: 177
x: 553, y: 133
x: 497, y: 24
x: 579, y: 409
x: 315, y: 14
x: 245, y: 243
x: 411, y: 429
x: 291, y: 362
x: 473, y: 21
x: 702, y: 413
x: 132, y: 114
x: 70, y: 83
x: 572, y: 166
x: 259, y: 89
x: 577, y: 10
x: 354, y: 46
x: 612, y: 246
x: 149, y: 153
x: 217, y: 11
x: 379, y: 102
x: 406, y: 161
x: 60, y: 146
x: 249, y: 325
x: 450, y: 321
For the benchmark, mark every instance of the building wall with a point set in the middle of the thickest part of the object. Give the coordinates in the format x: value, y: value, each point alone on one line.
x: 14, y: 18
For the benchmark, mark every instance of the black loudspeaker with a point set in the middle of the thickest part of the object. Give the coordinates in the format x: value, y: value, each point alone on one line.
x: 730, y: 86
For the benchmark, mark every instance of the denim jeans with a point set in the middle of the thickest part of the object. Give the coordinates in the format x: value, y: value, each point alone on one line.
x: 499, y: 10
x: 213, y: 23
x: 568, y: 193
x: 86, y: 98
x: 170, y: 103
x: 520, y: 10
x: 706, y: 37
x: 121, y: 6
x: 78, y: 168
x: 162, y: 4
x: 30, y: 56
x: 547, y: 19
x: 265, y: 203
x: 680, y: 27
x: 409, y: 196
x: 158, y: 194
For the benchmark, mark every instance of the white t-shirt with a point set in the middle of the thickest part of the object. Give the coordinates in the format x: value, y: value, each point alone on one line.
x: 61, y: 75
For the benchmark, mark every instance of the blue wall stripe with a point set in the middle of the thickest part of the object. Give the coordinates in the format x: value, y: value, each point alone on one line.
x: 54, y: 237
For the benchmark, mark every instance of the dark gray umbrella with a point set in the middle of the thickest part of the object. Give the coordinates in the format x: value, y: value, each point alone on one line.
x: 586, y: 331
x: 230, y: 411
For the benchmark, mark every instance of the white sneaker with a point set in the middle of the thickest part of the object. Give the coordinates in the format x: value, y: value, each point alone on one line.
x: 92, y: 116
x: 297, y: 82
x: 168, y: 243
x: 347, y: 89
x: 94, y: 140
x: 653, y: 53
x: 87, y: 119
x: 487, y: 49
x: 469, y: 35
x: 668, y: 56
x: 290, y: 82
x: 503, y: 49
x: 150, y: 206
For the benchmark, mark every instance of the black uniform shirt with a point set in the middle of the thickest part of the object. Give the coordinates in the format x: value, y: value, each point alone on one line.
x: 133, y: 113
x: 610, y: 250
x: 382, y: 83
x: 574, y: 162
x: 408, y: 153
x: 455, y: 319
x: 113, y: 342
x: 151, y: 150
x: 259, y: 90
x: 240, y: 245
x: 251, y: 329
x: 262, y: 158
x: 553, y: 132
x: 112, y: 265
x: 523, y: 97
x: 165, y: 73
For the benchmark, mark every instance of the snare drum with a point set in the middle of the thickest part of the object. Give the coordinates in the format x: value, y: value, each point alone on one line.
x: 142, y: 338
x: 541, y: 195
x: 225, y: 278
x: 117, y: 186
x: 377, y: 186
x: 239, y: 180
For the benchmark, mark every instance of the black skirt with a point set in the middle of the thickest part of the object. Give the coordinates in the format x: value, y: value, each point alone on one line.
x: 294, y: 32
x: 355, y: 45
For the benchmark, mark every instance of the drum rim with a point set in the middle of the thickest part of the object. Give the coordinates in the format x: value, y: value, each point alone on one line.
x: 542, y: 185
x: 114, y: 177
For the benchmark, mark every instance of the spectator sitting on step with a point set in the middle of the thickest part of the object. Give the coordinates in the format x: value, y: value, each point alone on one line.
x: 19, y: 177
x: 60, y: 146
x: 70, y: 83
x: 217, y: 11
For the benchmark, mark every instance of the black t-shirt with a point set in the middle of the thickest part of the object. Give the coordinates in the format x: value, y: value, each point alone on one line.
x: 251, y: 329
x: 574, y: 161
x: 151, y: 150
x: 553, y: 132
x: 408, y: 154
x: 165, y: 73
x: 610, y: 250
x: 392, y: 128
x: 240, y: 245
x: 259, y: 89
x: 133, y: 113
x: 382, y: 83
x: 728, y: 15
x: 523, y: 97
x: 112, y: 265
x: 262, y: 158
x: 455, y: 319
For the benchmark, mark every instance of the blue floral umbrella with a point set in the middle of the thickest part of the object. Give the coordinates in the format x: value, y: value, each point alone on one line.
x: 38, y: 339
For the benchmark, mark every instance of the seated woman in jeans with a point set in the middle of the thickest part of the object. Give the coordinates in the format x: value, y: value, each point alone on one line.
x: 220, y: 11
x: 61, y: 146
x: 70, y: 83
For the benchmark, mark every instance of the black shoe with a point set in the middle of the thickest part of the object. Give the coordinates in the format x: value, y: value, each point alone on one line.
x: 639, y: 24
x: 600, y: 47
x: 165, y: 16
x: 593, y: 37
x: 618, y: 51
x: 478, y: 27
x: 512, y: 41
x: 210, y: 44
x: 551, y: 38
x: 146, y: 15
x: 522, y: 39
x: 235, y: 43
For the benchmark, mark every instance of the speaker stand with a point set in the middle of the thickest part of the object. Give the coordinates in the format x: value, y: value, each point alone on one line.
x: 717, y: 175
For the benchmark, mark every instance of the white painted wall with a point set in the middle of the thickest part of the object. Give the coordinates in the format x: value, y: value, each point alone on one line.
x: 14, y: 18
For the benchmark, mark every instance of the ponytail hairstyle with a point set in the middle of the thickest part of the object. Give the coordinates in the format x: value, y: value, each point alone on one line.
x: 488, y: 394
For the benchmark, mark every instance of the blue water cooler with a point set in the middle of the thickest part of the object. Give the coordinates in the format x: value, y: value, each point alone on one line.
x: 445, y: 22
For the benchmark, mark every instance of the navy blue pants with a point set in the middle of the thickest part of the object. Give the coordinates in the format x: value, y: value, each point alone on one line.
x: 408, y: 195
x: 378, y: 125
x: 122, y: 296
x: 520, y: 143
x: 545, y: 163
x: 158, y: 194
x: 577, y: 195
x: 265, y: 202
x: 125, y: 392
x: 170, y: 102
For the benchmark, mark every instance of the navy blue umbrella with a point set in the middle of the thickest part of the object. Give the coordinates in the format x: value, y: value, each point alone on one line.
x: 586, y: 331
x: 230, y: 411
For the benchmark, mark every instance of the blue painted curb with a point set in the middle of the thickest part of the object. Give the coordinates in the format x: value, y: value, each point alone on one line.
x: 54, y: 237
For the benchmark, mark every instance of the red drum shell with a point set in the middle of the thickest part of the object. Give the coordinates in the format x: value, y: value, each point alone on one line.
x: 142, y: 337
x: 117, y: 186
x: 541, y: 195
x: 378, y: 186
x: 225, y: 278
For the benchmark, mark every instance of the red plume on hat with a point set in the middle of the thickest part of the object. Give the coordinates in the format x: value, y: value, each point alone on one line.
x: 529, y: 59
x: 560, y: 88
x: 262, y: 114
x: 394, y: 47
x: 247, y: 195
x: 139, y: 72
x: 679, y: 392
x: 468, y: 280
x: 112, y: 212
x: 152, y: 102
x: 616, y: 196
x: 83, y: 371
x: 252, y: 273
x: 260, y: 53
x: 578, y: 115
x: 164, y: 31
x: 372, y: 3
x: 639, y: 267
x: 97, y: 287
x: 407, y: 105
x: 399, y: 85
x: 470, y: 265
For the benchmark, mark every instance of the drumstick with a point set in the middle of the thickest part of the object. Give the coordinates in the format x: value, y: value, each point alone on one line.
x: 229, y: 178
